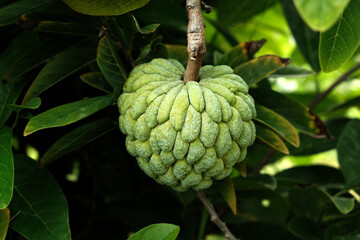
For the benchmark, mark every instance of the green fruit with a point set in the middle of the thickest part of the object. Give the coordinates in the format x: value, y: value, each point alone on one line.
x: 185, y: 136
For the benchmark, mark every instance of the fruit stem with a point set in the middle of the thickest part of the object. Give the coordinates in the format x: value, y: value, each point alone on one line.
x: 196, y: 40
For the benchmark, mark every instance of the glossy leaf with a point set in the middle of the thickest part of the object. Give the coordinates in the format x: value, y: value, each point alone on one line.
x: 110, y: 63
x: 6, y: 167
x: 97, y: 80
x: 340, y: 42
x: 32, y: 104
x: 278, y: 124
x: 73, y: 28
x: 349, y: 151
x: 304, y: 228
x: 9, y: 93
x: 227, y: 190
x: 295, y: 112
x: 68, y: 113
x: 20, y: 46
x: 63, y: 65
x: 240, y: 53
x: 4, y: 222
x: 233, y: 11
x: 320, y: 15
x: 306, y: 39
x: 270, y: 138
x: 12, y: 12
x: 39, y: 201
x: 292, y: 72
x: 76, y: 139
x: 259, y: 68
x: 105, y: 7
x: 161, y: 231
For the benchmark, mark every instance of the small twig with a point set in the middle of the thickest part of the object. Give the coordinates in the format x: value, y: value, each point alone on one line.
x: 196, y: 40
x: 324, y: 94
x: 214, y: 216
x: 207, y: 8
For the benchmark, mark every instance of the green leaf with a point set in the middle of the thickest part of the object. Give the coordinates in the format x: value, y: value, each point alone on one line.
x: 76, y: 139
x: 225, y: 31
x: 71, y: 28
x: 348, y: 152
x: 255, y: 181
x: 4, y: 222
x: 320, y: 15
x: 105, y: 7
x: 6, y: 167
x: 340, y: 42
x: 306, y: 39
x: 9, y: 93
x: 240, y: 53
x: 227, y: 190
x: 178, y: 52
x: 304, y: 228
x: 110, y: 63
x: 12, y: 12
x: 233, y: 11
x: 354, y: 102
x: 97, y: 80
x: 295, y: 112
x: 67, y: 113
x: 278, y: 124
x: 38, y: 201
x: 270, y: 138
x: 63, y: 65
x: 292, y: 72
x: 32, y: 104
x: 343, y: 204
x: 161, y: 231
x: 20, y: 46
x: 259, y: 68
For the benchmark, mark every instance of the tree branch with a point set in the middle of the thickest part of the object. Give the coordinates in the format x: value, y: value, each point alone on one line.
x: 196, y: 40
x: 214, y: 216
x: 324, y: 94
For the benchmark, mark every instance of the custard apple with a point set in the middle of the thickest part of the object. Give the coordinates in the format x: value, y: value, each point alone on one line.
x: 186, y: 135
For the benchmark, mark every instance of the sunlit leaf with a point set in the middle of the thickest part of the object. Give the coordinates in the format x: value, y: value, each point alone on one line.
x: 105, y: 7
x: 295, y: 112
x: 12, y: 12
x: 240, y: 53
x: 340, y: 42
x: 227, y: 190
x: 278, y: 124
x: 161, y: 231
x: 354, y: 102
x: 320, y: 15
x: 32, y: 104
x: 63, y: 65
x: 68, y: 113
x: 259, y: 68
x: 270, y: 138
x: 348, y: 152
x: 6, y: 167
x: 76, y: 139
x: 304, y: 228
x: 39, y: 201
x: 4, y: 222
x: 97, y: 80
x: 306, y: 39
x: 110, y: 63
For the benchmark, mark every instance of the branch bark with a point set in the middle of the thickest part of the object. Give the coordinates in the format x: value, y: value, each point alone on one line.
x: 324, y: 94
x: 214, y: 217
x: 196, y: 40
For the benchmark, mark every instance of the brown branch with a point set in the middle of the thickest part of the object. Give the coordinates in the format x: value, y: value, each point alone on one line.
x: 324, y: 94
x: 196, y: 40
x: 214, y: 216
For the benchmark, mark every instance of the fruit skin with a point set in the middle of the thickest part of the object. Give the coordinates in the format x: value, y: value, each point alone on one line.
x: 185, y: 136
